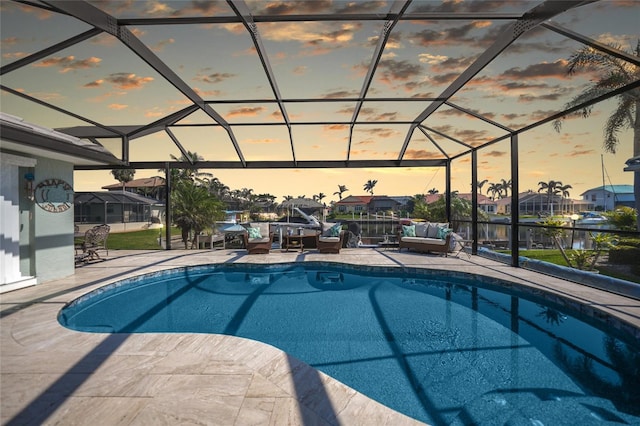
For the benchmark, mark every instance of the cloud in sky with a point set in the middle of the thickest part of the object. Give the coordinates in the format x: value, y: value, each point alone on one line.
x: 265, y: 141
x: 245, y: 112
x: 341, y: 94
x: 68, y: 63
x: 214, y: 78
x: 158, y: 47
x: 336, y: 127
x: 315, y: 38
x: 494, y: 153
x: 449, y: 36
x: 380, y: 132
x: 9, y: 41
x: 453, y: 112
x: 117, y: 107
x: 122, y: 80
x: 421, y: 154
x: 14, y: 55
x: 580, y: 150
x: 391, y: 71
x: 556, y: 69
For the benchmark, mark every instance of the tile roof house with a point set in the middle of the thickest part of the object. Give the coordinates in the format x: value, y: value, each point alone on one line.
x: 151, y: 187
x: 353, y: 204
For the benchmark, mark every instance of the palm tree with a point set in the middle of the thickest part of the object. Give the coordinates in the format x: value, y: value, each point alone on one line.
x: 320, y: 196
x: 432, y: 191
x: 194, y: 209
x: 417, y: 206
x: 613, y: 73
x: 505, y: 186
x: 341, y: 189
x: 494, y: 188
x: 217, y: 188
x: 191, y: 173
x: 564, y: 190
x: 123, y: 176
x: 551, y: 188
x: 370, y: 185
x: 288, y: 197
x: 481, y: 184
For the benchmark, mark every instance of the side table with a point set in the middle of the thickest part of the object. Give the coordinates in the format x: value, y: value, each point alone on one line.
x: 294, y: 241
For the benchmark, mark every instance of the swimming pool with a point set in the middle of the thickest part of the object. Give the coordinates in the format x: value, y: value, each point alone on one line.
x: 444, y: 348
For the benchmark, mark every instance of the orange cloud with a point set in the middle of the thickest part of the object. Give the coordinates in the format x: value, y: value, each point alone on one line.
x: 117, y: 107
x: 69, y: 63
x: 245, y: 112
x: 339, y: 127
x: 127, y: 81
x: 421, y: 154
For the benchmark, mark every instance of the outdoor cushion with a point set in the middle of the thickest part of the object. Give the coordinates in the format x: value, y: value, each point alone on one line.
x: 443, y: 232
x: 254, y: 233
x: 432, y: 232
x: 328, y: 229
x: 335, y: 230
x: 329, y: 239
x: 409, y: 230
x: 259, y: 240
x: 421, y: 228
x: 423, y: 240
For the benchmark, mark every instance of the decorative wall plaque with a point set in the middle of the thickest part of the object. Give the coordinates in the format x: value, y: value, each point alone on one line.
x: 54, y: 195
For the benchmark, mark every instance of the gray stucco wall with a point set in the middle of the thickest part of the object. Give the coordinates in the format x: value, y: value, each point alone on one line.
x: 53, y: 236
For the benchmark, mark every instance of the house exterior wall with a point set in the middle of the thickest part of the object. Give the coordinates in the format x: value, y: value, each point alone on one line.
x: 37, y: 245
x: 607, y: 200
x: 54, y: 252
x: 14, y: 231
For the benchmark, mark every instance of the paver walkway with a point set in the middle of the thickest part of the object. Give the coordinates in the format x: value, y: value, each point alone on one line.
x: 52, y: 375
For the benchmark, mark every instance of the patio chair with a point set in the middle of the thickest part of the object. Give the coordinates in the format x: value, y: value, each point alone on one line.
x: 95, y: 241
x: 257, y: 239
x: 327, y: 242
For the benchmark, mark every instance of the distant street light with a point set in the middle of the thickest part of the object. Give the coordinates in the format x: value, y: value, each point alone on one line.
x: 574, y: 217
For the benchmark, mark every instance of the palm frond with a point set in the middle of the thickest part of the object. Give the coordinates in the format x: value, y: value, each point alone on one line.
x: 618, y: 120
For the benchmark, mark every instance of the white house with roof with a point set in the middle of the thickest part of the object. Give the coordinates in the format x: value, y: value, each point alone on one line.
x: 609, y: 197
x: 36, y: 200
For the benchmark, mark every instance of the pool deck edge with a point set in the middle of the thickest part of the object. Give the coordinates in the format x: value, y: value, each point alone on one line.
x: 53, y: 375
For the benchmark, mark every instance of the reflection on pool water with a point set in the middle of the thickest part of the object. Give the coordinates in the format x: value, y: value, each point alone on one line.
x: 444, y: 348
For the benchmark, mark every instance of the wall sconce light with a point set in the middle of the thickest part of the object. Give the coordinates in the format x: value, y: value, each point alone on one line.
x: 28, y: 185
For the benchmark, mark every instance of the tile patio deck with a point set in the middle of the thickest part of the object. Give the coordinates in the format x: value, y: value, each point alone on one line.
x: 52, y: 375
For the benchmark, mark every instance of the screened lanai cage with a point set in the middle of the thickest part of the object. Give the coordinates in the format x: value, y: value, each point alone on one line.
x: 314, y: 94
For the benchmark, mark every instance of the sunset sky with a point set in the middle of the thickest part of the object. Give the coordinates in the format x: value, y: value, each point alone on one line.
x: 103, y: 80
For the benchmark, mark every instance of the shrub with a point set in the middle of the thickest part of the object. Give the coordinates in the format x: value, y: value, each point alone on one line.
x: 623, y: 218
x: 624, y: 255
x: 629, y: 241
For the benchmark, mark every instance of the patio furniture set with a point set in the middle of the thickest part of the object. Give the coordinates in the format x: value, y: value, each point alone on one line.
x: 258, y: 239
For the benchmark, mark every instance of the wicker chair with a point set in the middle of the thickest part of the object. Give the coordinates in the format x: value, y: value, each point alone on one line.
x: 330, y: 244
x: 260, y: 245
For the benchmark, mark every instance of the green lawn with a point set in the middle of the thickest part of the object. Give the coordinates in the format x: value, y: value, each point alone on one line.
x: 138, y: 240
x: 554, y: 256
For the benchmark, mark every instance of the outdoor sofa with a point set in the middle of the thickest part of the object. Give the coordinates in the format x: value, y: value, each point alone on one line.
x: 425, y: 237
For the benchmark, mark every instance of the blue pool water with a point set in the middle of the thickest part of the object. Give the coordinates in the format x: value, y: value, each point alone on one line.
x: 444, y: 348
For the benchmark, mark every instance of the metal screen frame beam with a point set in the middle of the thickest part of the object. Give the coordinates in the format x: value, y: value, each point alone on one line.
x: 100, y: 19
x: 397, y: 9
x: 528, y: 21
